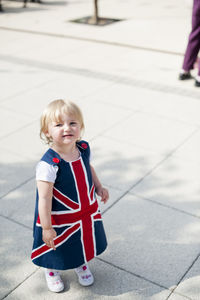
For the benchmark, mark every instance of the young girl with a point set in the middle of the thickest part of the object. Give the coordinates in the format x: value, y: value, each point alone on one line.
x: 68, y: 228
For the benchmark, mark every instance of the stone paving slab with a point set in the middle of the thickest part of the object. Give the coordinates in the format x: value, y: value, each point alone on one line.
x: 20, y: 77
x: 19, y: 205
x: 14, y: 170
x: 190, y: 150
x: 189, y: 286
x: 155, y: 99
x: 152, y: 101
x: 15, y: 249
x: 174, y: 183
x: 18, y: 120
x: 175, y: 296
x: 159, y: 134
x: 153, y: 239
x: 61, y: 85
x: 32, y: 150
x: 115, y: 161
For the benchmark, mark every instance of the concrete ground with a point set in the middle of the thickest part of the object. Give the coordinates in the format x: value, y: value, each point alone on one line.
x: 143, y: 126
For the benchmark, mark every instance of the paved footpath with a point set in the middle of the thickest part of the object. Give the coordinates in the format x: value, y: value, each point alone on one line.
x: 143, y: 126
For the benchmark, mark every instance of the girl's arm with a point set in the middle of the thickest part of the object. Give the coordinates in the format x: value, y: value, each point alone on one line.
x: 99, y: 189
x: 45, y: 191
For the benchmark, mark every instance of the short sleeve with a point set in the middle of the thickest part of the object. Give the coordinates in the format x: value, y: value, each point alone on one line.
x: 46, y: 172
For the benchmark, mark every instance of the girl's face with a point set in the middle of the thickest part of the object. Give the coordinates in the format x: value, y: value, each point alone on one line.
x: 65, y: 132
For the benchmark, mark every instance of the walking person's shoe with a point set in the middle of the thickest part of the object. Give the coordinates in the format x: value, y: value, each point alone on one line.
x: 185, y: 75
x: 197, y: 81
x: 54, y: 281
x: 85, y: 276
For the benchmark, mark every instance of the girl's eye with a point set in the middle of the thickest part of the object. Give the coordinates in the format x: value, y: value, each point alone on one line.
x: 73, y: 123
x: 58, y: 125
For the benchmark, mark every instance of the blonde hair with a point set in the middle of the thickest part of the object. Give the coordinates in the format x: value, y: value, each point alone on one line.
x: 53, y: 113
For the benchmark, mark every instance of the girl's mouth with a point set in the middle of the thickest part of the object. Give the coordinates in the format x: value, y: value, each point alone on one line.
x: 67, y: 135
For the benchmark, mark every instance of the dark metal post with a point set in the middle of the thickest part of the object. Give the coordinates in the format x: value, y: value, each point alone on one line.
x: 96, y: 12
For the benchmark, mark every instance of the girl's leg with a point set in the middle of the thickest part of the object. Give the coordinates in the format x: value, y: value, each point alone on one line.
x: 54, y: 281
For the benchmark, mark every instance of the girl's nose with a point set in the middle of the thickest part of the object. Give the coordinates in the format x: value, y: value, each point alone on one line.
x: 66, y: 127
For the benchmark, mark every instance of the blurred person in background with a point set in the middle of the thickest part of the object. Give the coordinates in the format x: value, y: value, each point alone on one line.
x: 193, y: 47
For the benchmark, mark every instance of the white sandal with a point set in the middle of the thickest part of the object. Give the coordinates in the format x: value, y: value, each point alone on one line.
x: 54, y: 281
x: 85, y: 276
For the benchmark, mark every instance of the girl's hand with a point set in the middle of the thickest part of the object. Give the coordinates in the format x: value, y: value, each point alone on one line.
x: 103, y: 193
x: 48, y: 235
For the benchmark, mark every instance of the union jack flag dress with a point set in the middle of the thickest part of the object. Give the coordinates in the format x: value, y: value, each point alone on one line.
x: 75, y: 215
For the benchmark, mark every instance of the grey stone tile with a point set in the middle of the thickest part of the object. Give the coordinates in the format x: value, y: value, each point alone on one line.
x: 114, y: 195
x: 33, y: 147
x: 150, y: 240
x: 99, y: 119
x: 189, y: 151
x: 151, y: 101
x: 15, y: 170
x: 20, y: 77
x: 189, y: 285
x: 61, y: 85
x: 174, y: 183
x: 15, y: 262
x: 156, y: 133
x: 18, y: 121
x: 121, y: 164
x: 19, y: 205
x: 176, y: 296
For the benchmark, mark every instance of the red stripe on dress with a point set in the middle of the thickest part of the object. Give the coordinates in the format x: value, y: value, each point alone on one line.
x: 92, y: 193
x: 87, y: 224
x: 61, y: 238
x: 97, y: 216
x: 65, y: 199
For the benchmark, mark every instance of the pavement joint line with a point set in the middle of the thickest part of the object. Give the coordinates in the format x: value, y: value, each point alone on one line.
x: 179, y: 294
x: 9, y: 109
x: 27, y: 90
x: 148, y: 200
x: 165, y: 205
x: 113, y: 125
x: 16, y: 222
x: 10, y: 292
x: 97, y: 90
x: 189, y: 268
x: 140, y: 110
x: 17, y: 187
x: 133, y: 145
x: 171, y: 118
x: 104, y: 76
x: 17, y: 130
x: 134, y: 274
x: 91, y: 40
x: 165, y: 158
x: 152, y: 170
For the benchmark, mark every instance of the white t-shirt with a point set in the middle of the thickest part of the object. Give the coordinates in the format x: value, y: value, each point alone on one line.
x: 46, y: 172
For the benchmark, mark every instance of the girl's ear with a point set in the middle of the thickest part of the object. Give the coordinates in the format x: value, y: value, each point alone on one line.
x: 47, y: 134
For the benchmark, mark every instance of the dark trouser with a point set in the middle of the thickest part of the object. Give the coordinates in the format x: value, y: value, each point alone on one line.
x: 193, y: 46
